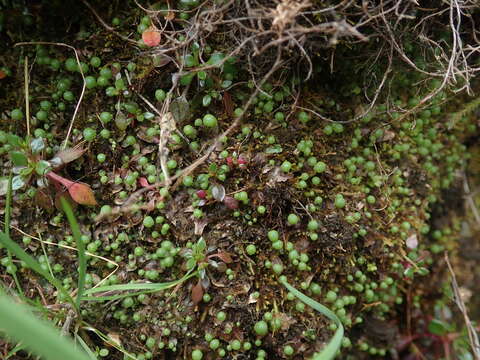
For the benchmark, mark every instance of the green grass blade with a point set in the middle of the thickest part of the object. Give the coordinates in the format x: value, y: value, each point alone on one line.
x: 334, y: 344
x: 8, y: 206
x: 36, y: 335
x: 132, y: 289
x: 111, y: 342
x: 85, y: 347
x: 46, y: 257
x: 13, y: 352
x: 33, y: 264
x: 82, y: 260
x: 8, y: 215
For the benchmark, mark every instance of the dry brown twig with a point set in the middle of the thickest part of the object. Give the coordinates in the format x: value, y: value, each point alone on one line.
x: 472, y: 333
x: 106, y: 26
x: 451, y: 72
x: 258, y: 28
x: 77, y: 106
x: 469, y: 196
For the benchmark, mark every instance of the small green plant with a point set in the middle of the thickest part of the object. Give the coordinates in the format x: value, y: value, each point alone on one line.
x: 200, y: 257
x: 27, y: 158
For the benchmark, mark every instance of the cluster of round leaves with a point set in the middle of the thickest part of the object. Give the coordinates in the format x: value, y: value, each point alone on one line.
x: 300, y: 260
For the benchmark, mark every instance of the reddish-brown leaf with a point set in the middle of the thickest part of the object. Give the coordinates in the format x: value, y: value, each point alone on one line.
x: 143, y: 181
x: 57, y: 179
x: 151, y: 36
x: 202, y: 194
x: 224, y: 256
x: 2, y: 74
x: 230, y: 202
x: 82, y: 194
x: 197, y: 293
x: 170, y: 16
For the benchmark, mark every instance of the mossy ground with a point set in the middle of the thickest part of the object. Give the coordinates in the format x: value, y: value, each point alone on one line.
x: 386, y: 206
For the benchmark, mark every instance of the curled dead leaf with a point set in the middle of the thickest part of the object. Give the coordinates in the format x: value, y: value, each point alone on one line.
x: 224, y: 256
x: 200, y: 226
x: 67, y: 155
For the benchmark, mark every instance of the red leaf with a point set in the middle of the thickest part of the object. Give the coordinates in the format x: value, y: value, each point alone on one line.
x: 143, y: 181
x: 2, y: 74
x: 59, y: 179
x: 151, y: 36
x: 241, y: 161
x: 82, y: 194
x: 230, y: 202
x: 202, y: 194
x: 197, y: 293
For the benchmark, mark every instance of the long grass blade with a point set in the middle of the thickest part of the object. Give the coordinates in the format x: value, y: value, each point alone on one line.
x: 14, y: 351
x: 82, y: 260
x: 132, y: 289
x: 33, y: 264
x: 107, y: 340
x: 85, y: 347
x: 8, y: 215
x: 38, y: 336
x: 46, y: 256
x: 334, y: 344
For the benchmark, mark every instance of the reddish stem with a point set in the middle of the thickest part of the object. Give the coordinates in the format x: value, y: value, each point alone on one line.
x: 55, y: 177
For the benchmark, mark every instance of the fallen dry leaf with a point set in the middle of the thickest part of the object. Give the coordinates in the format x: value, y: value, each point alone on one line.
x: 224, y: 256
x: 170, y: 16
x: 197, y: 293
x: 114, y: 339
x: 200, y: 225
x: 68, y: 155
